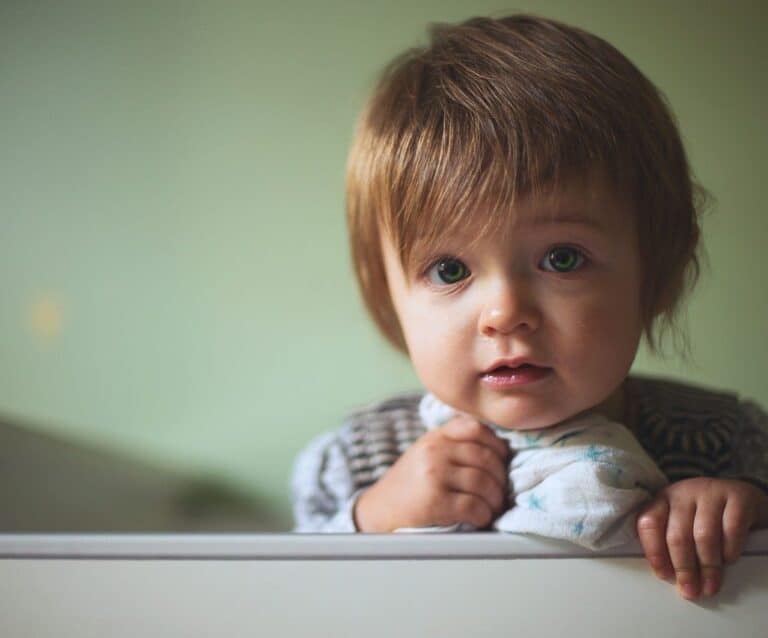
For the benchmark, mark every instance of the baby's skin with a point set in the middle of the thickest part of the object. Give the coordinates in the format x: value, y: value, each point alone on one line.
x: 458, y: 473
x: 525, y: 328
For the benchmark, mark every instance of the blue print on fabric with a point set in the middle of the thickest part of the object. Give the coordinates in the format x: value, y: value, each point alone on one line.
x: 532, y: 440
x: 535, y: 502
x: 595, y: 453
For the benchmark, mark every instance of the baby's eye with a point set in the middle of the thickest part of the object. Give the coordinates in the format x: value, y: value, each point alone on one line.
x: 447, y: 270
x: 563, y: 259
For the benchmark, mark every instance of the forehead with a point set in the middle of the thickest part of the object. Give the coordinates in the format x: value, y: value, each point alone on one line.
x: 590, y: 205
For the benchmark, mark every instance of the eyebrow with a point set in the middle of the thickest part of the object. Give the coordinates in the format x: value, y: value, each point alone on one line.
x: 568, y: 218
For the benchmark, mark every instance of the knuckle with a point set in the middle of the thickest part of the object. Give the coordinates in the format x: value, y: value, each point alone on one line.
x: 697, y: 483
x: 455, y: 426
x: 677, y: 538
x: 738, y: 490
x: 430, y: 446
x: 475, y: 480
x: 473, y: 428
x: 490, y: 489
x: 651, y: 521
x: 735, y: 522
x: 706, y: 535
x: 687, y: 489
x: 488, y: 457
x: 489, y: 486
x: 432, y: 474
x: 656, y: 559
x: 496, y: 493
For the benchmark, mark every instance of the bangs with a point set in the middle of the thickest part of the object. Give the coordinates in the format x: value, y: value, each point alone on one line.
x: 467, y: 144
x: 466, y: 182
x: 455, y: 134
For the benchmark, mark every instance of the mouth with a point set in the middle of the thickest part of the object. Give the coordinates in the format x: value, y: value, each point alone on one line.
x: 506, y: 375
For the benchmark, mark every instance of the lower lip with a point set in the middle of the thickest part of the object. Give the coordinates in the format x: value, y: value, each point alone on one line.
x: 519, y: 376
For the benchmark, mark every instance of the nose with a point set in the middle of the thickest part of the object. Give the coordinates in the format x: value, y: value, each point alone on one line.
x: 510, y: 307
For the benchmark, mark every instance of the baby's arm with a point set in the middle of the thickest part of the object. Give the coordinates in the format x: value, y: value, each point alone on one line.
x: 695, y: 526
x: 322, y: 486
x: 456, y: 474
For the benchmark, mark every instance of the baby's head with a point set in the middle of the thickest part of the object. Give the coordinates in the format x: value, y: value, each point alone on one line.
x: 517, y: 192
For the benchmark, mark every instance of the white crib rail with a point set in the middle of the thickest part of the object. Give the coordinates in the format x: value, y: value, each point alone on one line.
x: 313, y: 546
x: 363, y: 585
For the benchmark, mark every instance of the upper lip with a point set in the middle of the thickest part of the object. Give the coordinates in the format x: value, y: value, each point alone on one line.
x: 512, y: 363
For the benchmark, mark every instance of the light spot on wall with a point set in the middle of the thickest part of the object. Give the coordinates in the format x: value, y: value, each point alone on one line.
x: 45, y: 316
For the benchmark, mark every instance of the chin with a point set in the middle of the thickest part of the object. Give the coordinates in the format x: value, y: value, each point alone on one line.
x: 527, y: 418
x: 523, y: 422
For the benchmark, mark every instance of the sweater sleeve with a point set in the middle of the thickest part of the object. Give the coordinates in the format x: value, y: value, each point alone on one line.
x: 749, y: 457
x: 322, y: 488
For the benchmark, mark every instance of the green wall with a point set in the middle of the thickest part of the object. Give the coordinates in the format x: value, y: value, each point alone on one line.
x: 174, y: 278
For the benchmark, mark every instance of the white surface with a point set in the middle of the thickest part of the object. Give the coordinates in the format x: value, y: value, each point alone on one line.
x: 312, y: 546
x: 321, y: 590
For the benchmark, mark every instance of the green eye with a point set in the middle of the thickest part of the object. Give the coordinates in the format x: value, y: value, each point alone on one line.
x: 447, y: 271
x: 563, y: 259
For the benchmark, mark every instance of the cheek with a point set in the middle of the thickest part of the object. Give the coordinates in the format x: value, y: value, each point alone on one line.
x: 601, y: 332
x: 426, y: 354
x: 436, y: 347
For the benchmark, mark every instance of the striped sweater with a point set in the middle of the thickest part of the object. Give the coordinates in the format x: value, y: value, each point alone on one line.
x: 689, y: 431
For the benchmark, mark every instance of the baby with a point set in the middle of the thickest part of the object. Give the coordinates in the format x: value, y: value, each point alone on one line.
x: 521, y: 212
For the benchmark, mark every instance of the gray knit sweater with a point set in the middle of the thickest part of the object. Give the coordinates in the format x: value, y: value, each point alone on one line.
x: 689, y: 431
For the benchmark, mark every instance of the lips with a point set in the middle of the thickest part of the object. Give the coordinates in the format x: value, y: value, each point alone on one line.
x: 514, y: 373
x: 511, y: 369
x: 512, y: 364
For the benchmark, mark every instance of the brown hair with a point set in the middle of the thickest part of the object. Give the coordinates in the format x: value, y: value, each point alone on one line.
x: 494, y: 109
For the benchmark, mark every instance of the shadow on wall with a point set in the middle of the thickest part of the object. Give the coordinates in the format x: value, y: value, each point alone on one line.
x: 48, y: 484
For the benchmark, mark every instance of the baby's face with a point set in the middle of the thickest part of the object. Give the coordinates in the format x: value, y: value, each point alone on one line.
x: 562, y: 295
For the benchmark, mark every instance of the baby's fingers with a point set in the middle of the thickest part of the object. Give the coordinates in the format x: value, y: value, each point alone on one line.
x: 652, y: 530
x: 682, y: 548
x: 736, y: 524
x: 707, y: 534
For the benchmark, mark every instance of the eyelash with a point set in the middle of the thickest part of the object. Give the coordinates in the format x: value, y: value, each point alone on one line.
x: 437, y: 262
x: 581, y: 255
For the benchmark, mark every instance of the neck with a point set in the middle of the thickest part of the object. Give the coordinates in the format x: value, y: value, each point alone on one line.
x: 614, y: 407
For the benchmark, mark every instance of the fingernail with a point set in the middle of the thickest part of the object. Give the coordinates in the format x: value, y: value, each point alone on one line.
x: 710, y: 586
x: 689, y: 590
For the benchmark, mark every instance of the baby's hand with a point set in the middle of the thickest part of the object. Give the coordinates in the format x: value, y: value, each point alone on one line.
x: 455, y: 473
x: 693, y: 527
